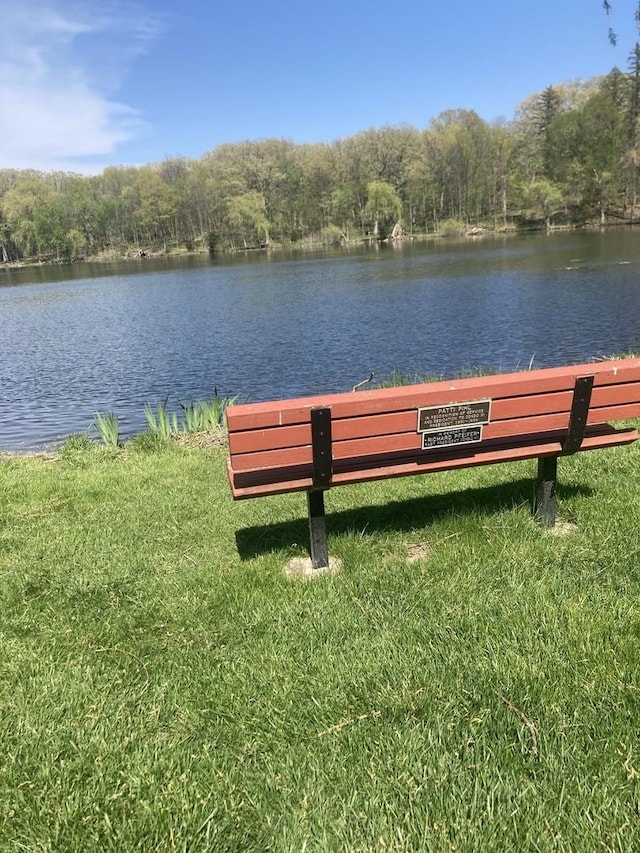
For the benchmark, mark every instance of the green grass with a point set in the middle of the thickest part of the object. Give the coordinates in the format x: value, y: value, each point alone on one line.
x: 616, y: 356
x: 163, y: 686
x: 399, y: 377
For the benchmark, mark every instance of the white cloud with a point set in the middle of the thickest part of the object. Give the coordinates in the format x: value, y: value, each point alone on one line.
x: 60, y: 69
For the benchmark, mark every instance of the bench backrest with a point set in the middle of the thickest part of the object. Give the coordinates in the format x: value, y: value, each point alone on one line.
x: 282, y: 446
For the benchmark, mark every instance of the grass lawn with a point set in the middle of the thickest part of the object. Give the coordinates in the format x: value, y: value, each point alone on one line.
x: 467, y: 682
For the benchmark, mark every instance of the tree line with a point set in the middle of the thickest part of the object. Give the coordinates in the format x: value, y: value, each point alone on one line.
x: 570, y: 154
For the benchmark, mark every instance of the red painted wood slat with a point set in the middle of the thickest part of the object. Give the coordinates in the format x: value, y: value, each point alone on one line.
x: 518, y: 428
x: 350, y: 404
x: 602, y: 401
x: 242, y: 487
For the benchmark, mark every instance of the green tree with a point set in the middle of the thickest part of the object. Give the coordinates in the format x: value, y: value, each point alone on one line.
x: 458, y: 151
x: 548, y: 108
x: 314, y: 182
x: 115, y: 208
x: 383, y: 206
x: 265, y: 167
x: 615, y: 84
x: 26, y: 202
x: 49, y: 228
x: 587, y: 147
x: 543, y: 198
x: 8, y: 250
x: 175, y: 173
x: 503, y: 152
x: 154, y: 206
x: 247, y: 214
x: 75, y: 244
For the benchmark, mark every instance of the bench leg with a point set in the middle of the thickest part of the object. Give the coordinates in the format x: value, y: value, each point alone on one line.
x: 545, y: 497
x: 317, y: 530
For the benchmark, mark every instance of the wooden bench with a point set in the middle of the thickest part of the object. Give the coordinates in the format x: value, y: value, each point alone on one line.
x: 311, y: 444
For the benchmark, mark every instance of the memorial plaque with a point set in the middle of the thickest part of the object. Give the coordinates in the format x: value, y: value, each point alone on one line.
x: 454, y: 415
x: 447, y: 437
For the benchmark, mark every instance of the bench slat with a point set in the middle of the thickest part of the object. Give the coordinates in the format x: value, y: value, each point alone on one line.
x: 602, y: 402
x: 349, y: 404
x: 397, y: 442
x: 253, y: 484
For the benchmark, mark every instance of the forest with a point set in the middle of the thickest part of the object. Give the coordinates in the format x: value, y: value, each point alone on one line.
x: 570, y: 156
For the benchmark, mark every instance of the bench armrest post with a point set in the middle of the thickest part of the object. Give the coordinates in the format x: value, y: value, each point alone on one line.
x: 578, y: 415
x: 317, y: 530
x: 321, y: 446
x: 544, y: 505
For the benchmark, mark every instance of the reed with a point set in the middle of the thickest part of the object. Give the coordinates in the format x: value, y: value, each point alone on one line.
x: 161, y: 422
x: 619, y: 356
x: 205, y: 415
x: 399, y: 377
x: 108, y: 428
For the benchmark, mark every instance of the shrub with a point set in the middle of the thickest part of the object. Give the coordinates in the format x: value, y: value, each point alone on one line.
x: 451, y: 227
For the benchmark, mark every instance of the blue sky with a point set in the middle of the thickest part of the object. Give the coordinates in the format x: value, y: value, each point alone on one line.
x: 89, y: 83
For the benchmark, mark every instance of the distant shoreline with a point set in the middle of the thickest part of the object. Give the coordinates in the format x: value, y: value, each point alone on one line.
x: 466, y: 233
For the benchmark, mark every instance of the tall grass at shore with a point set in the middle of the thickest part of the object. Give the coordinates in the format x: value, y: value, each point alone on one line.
x: 400, y: 377
x: 162, y: 424
x: 108, y: 427
x: 206, y: 414
x: 467, y: 681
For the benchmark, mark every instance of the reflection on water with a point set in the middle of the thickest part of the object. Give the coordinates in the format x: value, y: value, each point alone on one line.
x: 111, y: 338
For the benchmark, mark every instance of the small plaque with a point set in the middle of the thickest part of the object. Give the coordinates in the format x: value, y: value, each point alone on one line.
x: 454, y: 415
x: 447, y: 437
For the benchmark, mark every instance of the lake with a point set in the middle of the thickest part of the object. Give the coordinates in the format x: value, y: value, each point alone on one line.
x: 76, y: 339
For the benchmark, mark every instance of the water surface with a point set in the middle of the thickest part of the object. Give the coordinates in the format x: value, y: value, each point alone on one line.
x: 77, y: 339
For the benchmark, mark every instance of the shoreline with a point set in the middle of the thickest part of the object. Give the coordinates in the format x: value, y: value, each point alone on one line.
x: 217, y: 436
x: 471, y: 233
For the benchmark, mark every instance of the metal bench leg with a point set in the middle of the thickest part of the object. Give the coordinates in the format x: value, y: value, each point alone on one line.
x: 544, y: 507
x: 317, y: 530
